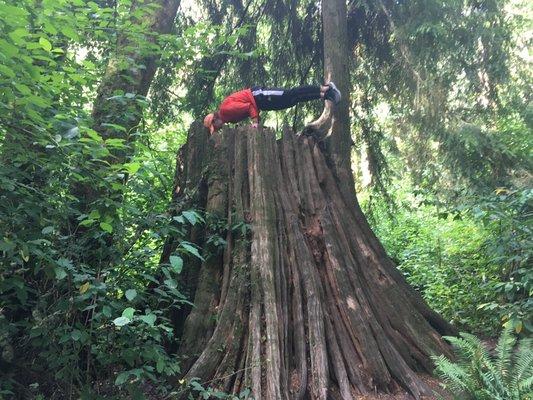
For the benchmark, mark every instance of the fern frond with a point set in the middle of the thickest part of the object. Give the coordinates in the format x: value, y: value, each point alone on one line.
x: 453, y: 375
x: 504, y: 352
x: 493, y: 384
x: 480, y: 352
x: 523, y: 362
x: 467, y: 347
x: 488, y: 394
x: 526, y: 386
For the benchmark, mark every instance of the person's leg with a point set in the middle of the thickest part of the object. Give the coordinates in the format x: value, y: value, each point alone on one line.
x: 304, y: 93
x: 280, y: 99
x: 270, y: 98
x: 307, y: 93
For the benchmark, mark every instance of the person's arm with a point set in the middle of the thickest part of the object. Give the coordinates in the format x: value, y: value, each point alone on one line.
x: 254, y: 115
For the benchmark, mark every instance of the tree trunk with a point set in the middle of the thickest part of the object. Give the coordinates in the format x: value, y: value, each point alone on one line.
x: 130, y: 72
x: 305, y: 303
x: 334, y: 123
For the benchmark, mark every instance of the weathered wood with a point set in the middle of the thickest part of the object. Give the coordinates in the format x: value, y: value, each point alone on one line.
x: 306, y: 304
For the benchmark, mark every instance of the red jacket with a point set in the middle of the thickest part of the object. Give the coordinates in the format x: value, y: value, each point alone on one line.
x: 238, y: 106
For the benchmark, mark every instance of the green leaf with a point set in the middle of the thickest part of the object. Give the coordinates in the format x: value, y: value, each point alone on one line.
x: 132, y: 167
x: 94, y: 214
x: 24, y: 253
x: 191, y: 249
x: 60, y: 273
x: 6, y: 245
x: 12, y: 11
x: 94, y: 135
x: 75, y: 335
x: 114, y: 142
x: 87, y: 222
x: 179, y: 219
x: 45, y: 43
x: 69, y: 32
x: 160, y: 365
x: 131, y: 294
x: 128, y: 313
x: 65, y: 263
x: 121, y: 321
x: 171, y: 283
x: 106, y: 310
x: 8, y: 49
x: 49, y: 28
x: 115, y: 126
x: 191, y: 216
x: 84, y: 287
x: 122, y: 378
x: 177, y: 263
x: 5, y: 70
x: 47, y: 229
x: 25, y: 90
x: 38, y: 101
x: 148, y: 319
x: 106, y: 227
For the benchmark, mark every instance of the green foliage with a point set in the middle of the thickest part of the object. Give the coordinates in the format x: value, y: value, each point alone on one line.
x: 198, y: 390
x: 92, y: 322
x: 507, y: 215
x: 440, y: 256
x: 83, y: 296
x: 479, y: 375
x: 447, y: 155
x: 469, y: 260
x: 440, y: 102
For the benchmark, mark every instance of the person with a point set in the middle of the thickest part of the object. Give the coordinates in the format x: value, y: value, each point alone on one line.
x: 250, y: 102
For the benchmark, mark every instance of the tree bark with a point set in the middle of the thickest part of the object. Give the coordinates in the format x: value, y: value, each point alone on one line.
x: 334, y: 123
x: 305, y: 303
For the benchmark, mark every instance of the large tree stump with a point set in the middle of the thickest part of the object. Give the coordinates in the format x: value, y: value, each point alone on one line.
x: 305, y: 304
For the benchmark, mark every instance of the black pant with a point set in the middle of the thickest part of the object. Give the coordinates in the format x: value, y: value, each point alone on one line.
x: 279, y: 98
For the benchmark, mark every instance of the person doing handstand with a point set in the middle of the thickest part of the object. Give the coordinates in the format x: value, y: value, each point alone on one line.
x: 250, y: 102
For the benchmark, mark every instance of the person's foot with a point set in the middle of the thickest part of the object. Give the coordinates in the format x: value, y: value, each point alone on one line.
x: 333, y: 93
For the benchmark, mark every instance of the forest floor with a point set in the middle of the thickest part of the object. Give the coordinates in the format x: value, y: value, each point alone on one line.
x: 433, y: 383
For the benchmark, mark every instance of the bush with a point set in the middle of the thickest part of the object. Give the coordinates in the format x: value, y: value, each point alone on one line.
x: 444, y: 257
x: 507, y: 216
x: 469, y: 261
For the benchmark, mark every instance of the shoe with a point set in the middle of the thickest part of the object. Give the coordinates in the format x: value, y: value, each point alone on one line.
x: 333, y: 93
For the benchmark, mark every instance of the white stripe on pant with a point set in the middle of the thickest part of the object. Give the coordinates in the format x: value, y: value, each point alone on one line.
x: 268, y: 92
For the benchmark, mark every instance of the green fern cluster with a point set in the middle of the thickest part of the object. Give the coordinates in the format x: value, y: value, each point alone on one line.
x: 479, y: 375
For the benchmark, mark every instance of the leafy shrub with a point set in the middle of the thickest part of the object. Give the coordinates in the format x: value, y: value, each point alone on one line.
x: 443, y: 257
x: 507, y: 216
x: 478, y: 375
x: 470, y: 261
x: 68, y: 324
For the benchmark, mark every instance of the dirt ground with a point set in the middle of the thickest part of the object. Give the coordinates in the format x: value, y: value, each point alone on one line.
x: 430, y: 381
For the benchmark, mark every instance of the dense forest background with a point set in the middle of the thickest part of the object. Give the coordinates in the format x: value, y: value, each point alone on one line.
x: 96, y: 98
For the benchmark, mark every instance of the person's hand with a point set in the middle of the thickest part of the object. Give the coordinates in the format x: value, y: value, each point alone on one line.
x: 255, y: 125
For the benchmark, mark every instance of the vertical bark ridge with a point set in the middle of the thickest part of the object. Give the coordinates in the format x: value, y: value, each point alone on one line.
x: 305, y: 304
x: 263, y: 251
